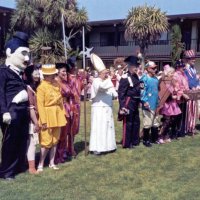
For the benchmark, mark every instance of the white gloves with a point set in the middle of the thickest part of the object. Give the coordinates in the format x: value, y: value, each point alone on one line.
x: 114, y: 93
x: 21, y: 97
x: 7, y: 118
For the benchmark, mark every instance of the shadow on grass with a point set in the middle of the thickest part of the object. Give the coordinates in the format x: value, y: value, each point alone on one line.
x: 198, y: 127
x: 80, y: 146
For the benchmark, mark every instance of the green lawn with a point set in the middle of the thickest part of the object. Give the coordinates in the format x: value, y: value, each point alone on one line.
x: 170, y: 171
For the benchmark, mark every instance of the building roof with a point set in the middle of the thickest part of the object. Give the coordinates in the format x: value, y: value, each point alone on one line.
x: 170, y: 17
x: 5, y: 10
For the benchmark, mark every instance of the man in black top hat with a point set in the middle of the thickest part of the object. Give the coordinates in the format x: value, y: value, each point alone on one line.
x: 129, y: 100
x: 14, y: 107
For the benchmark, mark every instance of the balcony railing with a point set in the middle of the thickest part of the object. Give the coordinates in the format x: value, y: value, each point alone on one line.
x: 127, y: 43
x: 159, y: 48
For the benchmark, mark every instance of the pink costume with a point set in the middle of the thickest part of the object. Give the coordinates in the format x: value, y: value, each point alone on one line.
x: 171, y: 106
x: 75, y: 102
x: 71, y: 91
x: 64, y: 146
x: 187, y: 121
x: 182, y: 81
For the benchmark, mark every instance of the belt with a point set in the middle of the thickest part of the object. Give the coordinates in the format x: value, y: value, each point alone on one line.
x: 134, y: 97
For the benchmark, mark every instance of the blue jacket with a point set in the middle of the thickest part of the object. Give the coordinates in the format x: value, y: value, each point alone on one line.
x: 191, y: 74
x: 150, y: 92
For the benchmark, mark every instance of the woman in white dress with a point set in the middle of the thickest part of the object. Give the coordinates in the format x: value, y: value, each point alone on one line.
x: 102, y: 136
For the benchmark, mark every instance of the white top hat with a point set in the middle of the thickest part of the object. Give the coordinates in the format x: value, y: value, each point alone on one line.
x: 97, y: 62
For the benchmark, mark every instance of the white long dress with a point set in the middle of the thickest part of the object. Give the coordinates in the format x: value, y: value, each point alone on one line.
x: 102, y: 136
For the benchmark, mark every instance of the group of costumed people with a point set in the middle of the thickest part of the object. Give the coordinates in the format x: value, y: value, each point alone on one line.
x: 38, y: 106
x: 42, y: 106
x: 169, y: 93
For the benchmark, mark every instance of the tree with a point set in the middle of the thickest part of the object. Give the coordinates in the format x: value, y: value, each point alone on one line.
x: 42, y: 20
x: 177, y: 46
x: 145, y: 24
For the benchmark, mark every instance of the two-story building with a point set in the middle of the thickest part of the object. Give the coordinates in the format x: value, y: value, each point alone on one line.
x: 107, y: 38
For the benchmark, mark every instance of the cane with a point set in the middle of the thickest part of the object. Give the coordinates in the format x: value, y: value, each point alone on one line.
x: 5, y: 133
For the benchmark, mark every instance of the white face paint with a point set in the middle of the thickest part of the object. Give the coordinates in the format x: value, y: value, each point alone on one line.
x: 36, y: 74
x: 19, y: 58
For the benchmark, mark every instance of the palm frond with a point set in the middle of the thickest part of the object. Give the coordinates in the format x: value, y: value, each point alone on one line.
x: 145, y: 23
x: 177, y: 47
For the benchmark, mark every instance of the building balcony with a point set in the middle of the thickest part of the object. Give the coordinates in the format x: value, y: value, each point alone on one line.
x: 159, y: 49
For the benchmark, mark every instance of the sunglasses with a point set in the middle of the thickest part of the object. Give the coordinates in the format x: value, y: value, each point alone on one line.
x: 154, y: 68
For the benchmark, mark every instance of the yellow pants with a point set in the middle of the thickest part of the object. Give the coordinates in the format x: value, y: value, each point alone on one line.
x: 49, y: 137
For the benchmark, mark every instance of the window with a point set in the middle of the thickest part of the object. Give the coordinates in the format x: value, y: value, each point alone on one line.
x: 107, y: 39
x: 121, y: 39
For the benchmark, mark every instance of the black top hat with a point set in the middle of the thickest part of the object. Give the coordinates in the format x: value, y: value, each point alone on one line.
x: 61, y: 65
x: 19, y: 39
x: 132, y: 60
x: 21, y: 35
x: 72, y: 62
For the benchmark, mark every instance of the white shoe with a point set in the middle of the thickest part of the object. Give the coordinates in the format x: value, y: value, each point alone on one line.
x: 161, y: 141
x: 168, y: 140
x: 40, y: 169
x: 53, y: 167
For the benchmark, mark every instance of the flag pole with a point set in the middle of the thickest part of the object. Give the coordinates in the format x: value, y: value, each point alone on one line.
x: 64, y: 38
x: 85, y: 122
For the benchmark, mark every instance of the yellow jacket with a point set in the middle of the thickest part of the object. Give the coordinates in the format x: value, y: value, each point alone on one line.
x: 50, y: 105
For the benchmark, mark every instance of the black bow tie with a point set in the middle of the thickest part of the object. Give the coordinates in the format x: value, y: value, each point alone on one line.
x: 21, y: 73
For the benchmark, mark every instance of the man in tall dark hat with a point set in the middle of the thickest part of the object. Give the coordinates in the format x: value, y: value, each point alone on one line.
x: 14, y: 104
x: 129, y: 99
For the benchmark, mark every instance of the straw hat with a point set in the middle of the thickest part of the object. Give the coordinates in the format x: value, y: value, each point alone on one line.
x: 49, y: 69
x: 97, y: 62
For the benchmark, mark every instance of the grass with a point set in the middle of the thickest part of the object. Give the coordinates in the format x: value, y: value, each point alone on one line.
x: 163, y: 172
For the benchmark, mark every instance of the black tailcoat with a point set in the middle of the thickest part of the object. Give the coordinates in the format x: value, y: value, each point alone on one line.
x: 15, y: 135
x: 129, y: 88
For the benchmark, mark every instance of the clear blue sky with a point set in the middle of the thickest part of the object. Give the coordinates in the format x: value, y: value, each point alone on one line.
x: 118, y: 9
x: 7, y: 3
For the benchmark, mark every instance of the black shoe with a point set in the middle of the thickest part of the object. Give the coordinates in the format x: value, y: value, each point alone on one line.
x: 147, y: 144
x: 154, y: 134
x: 136, y: 144
x: 131, y: 146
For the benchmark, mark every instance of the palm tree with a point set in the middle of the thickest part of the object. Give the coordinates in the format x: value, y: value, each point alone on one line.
x: 177, y: 46
x: 145, y: 24
x: 25, y: 16
x: 44, y: 38
x: 42, y: 20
